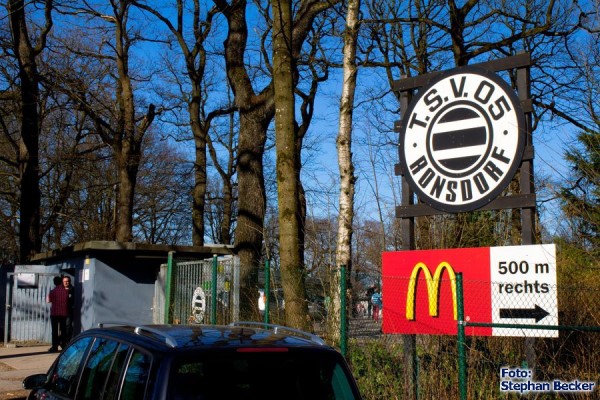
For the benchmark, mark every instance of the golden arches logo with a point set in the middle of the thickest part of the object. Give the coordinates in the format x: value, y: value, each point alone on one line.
x: 433, y: 288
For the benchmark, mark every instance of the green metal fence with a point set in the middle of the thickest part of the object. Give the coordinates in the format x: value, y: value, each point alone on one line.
x: 522, y: 380
x: 199, y: 291
x: 467, y: 366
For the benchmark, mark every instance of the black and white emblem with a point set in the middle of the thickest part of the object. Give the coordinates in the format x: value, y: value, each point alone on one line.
x: 462, y: 139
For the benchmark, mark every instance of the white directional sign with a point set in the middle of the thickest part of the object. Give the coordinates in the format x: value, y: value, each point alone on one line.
x: 524, y: 289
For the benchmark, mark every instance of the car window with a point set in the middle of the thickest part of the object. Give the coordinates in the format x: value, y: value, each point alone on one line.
x: 261, y: 375
x: 112, y: 384
x: 95, y: 372
x: 340, y: 384
x: 135, y: 383
x: 63, y: 379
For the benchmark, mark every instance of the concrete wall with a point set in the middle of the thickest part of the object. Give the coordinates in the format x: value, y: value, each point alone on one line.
x: 107, y: 290
x: 121, y: 293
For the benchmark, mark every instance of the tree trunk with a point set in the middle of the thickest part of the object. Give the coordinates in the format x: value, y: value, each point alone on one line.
x: 128, y: 168
x: 128, y: 143
x: 225, y: 231
x: 129, y: 151
x: 29, y: 221
x: 200, y: 178
x: 251, y: 204
x: 292, y: 276
x: 256, y: 112
x: 228, y: 196
x: 343, y: 254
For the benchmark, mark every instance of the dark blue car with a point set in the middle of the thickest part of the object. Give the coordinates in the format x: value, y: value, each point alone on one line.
x: 239, y: 361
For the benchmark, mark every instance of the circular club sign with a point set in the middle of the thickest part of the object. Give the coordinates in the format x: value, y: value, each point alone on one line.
x: 462, y: 139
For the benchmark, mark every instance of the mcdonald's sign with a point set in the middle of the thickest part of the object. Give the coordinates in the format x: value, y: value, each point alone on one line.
x: 500, y: 285
x: 433, y: 288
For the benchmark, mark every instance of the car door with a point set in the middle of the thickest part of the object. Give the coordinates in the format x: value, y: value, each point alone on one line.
x: 104, y: 363
x: 114, y: 370
x: 63, y: 377
x: 137, y: 382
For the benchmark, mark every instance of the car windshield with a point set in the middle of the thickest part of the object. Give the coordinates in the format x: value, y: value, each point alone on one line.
x: 256, y: 374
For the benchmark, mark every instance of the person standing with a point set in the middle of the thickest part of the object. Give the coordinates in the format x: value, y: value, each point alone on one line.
x: 369, y: 293
x: 65, y: 337
x: 59, y: 312
x: 377, y: 303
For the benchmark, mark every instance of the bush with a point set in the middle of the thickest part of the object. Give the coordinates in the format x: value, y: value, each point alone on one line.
x: 377, y: 367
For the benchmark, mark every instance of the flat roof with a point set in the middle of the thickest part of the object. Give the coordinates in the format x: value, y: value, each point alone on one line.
x: 145, y: 250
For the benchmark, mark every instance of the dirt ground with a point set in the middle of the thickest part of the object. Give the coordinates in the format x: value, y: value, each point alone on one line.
x: 14, y: 395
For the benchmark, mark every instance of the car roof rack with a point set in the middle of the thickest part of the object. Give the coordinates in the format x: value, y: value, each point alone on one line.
x: 168, y: 339
x: 276, y: 328
x: 104, y: 324
x: 140, y: 329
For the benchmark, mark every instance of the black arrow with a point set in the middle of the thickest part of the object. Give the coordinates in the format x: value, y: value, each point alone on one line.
x: 524, y: 313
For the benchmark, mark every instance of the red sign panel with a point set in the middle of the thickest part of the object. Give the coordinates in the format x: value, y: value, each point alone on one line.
x: 419, y: 292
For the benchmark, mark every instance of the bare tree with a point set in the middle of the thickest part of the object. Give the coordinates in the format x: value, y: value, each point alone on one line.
x: 26, y: 54
x: 224, y: 200
x: 256, y: 111
x: 255, y: 114
x: 195, y: 56
x: 346, y: 166
x: 162, y: 198
x: 579, y: 193
x: 124, y: 130
x: 9, y: 178
x: 292, y: 276
x: 65, y: 149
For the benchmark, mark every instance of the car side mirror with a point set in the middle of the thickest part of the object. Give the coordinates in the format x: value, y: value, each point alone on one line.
x: 34, y: 381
